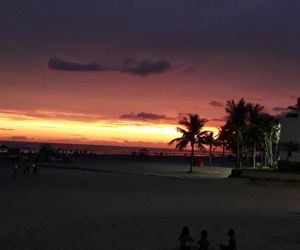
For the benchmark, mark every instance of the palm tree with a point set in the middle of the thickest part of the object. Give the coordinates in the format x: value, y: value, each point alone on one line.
x: 223, y: 139
x: 192, y: 134
x: 253, y: 136
x: 255, y: 111
x: 210, y: 141
x: 271, y: 130
x: 237, y: 118
x: 254, y: 130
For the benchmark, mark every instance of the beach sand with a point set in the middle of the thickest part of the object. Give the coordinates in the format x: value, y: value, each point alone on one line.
x: 73, y: 209
x: 177, y: 167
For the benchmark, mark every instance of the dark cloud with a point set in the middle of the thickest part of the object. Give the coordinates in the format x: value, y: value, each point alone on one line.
x: 19, y: 138
x: 6, y: 129
x: 61, y: 64
x: 143, y: 116
x: 218, y: 119
x: 216, y: 103
x: 29, y: 115
x: 131, y: 66
x: 279, y: 109
x: 147, y: 67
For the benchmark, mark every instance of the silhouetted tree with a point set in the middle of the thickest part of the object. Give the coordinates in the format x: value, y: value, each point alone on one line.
x: 192, y: 134
x: 224, y: 136
x: 254, y: 131
x: 271, y: 133
x: 237, y: 114
x: 210, y: 141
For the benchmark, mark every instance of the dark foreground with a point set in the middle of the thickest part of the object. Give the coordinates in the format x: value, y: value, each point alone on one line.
x: 71, y: 209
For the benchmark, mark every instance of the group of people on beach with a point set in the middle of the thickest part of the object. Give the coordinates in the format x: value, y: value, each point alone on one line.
x: 188, y: 243
x: 27, y: 164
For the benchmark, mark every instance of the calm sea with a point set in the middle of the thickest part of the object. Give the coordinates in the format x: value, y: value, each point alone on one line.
x: 98, y: 149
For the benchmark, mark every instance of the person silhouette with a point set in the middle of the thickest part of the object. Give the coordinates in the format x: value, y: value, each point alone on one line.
x: 231, y: 243
x: 15, y: 167
x: 35, y: 166
x: 185, y: 239
x: 203, y: 242
x: 26, y: 170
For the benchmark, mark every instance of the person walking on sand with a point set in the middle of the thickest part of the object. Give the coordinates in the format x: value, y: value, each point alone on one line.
x: 186, y: 241
x: 35, y: 167
x: 35, y: 164
x: 231, y: 243
x: 203, y: 243
x: 15, y: 168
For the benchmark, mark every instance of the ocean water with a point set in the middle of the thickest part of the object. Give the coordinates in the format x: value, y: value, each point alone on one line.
x: 99, y: 149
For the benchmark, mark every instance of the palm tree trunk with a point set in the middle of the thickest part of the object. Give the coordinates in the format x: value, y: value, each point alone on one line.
x: 271, y: 157
x: 192, y: 159
x: 254, y: 155
x: 210, y: 155
x: 238, y: 149
x: 223, y: 154
x: 266, y: 149
x: 276, y: 152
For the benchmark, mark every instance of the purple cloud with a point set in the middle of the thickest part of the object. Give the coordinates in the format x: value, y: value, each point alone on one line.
x: 216, y: 103
x: 129, y: 66
x: 279, y: 109
x: 142, y: 116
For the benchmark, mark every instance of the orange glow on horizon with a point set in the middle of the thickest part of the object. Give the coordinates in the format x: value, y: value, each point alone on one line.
x: 16, y: 127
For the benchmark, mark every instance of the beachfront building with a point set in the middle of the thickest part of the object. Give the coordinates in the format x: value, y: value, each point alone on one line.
x: 290, y: 132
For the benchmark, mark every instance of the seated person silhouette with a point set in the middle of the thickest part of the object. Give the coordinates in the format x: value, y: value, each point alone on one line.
x: 26, y: 169
x: 203, y: 242
x: 231, y: 243
x: 186, y: 241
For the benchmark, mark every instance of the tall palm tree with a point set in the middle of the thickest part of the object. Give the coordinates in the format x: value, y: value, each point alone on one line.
x: 255, y: 111
x: 223, y: 139
x: 210, y: 141
x: 271, y: 130
x: 192, y: 134
x: 237, y: 117
x: 254, y: 130
x: 254, y: 137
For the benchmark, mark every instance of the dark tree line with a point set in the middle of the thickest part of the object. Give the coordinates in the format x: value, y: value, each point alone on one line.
x: 249, y: 132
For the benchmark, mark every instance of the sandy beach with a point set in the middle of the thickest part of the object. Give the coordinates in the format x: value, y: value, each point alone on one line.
x: 73, y: 209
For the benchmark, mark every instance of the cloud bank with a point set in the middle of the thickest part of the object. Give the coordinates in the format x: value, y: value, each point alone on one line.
x: 6, y: 129
x: 278, y: 109
x: 129, y: 66
x: 143, y: 116
x: 216, y: 103
x: 19, y: 138
x: 52, y: 115
x: 61, y: 64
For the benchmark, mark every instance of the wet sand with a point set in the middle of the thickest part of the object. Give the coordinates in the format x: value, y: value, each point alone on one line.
x: 73, y: 209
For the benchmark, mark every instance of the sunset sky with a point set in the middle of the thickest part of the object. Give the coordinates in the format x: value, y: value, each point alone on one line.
x: 121, y: 72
